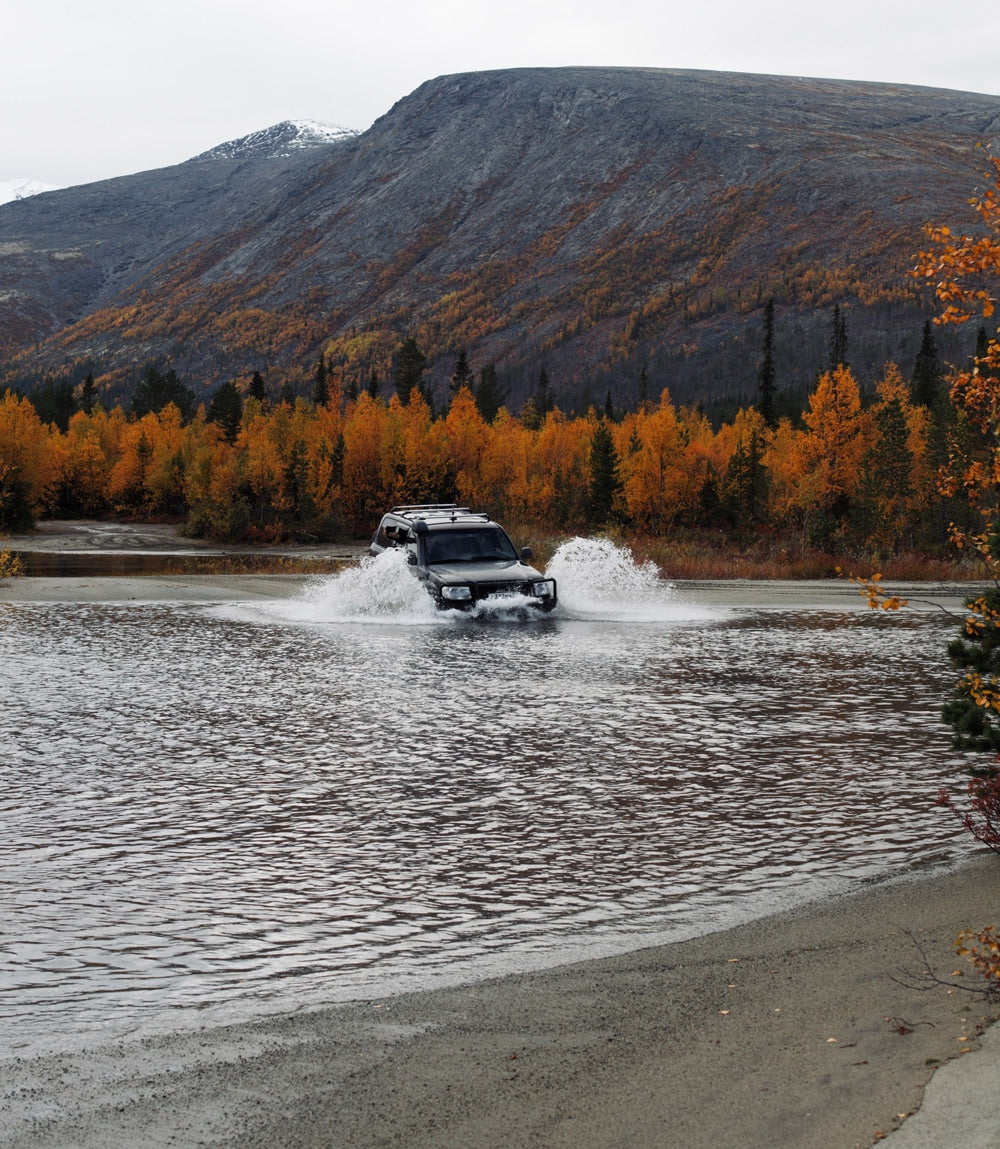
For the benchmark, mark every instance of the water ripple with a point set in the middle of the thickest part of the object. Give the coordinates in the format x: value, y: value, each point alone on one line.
x: 219, y: 808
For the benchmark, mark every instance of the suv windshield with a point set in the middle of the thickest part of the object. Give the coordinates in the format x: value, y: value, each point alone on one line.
x: 469, y: 546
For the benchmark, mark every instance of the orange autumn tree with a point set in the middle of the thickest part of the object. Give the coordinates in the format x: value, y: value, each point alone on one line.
x: 31, y: 461
x: 653, y: 466
x: 93, y: 448
x: 829, y: 452
x: 558, y: 471
x: 365, y: 489
x: 505, y: 468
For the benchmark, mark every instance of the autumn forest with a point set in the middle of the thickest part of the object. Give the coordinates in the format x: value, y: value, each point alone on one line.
x: 854, y: 473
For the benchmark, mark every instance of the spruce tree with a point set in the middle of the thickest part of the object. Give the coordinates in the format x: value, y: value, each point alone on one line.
x: 226, y: 410
x: 462, y: 376
x: 838, y: 340
x: 409, y: 370
x: 925, y: 382
x: 744, y: 488
x: 55, y: 402
x: 155, y: 390
x: 543, y: 395
x: 257, y: 389
x: 977, y: 652
x: 490, y: 396
x: 321, y: 389
x: 765, y: 369
x: 982, y: 351
x: 604, y: 484
x: 88, y: 394
x: 643, y: 395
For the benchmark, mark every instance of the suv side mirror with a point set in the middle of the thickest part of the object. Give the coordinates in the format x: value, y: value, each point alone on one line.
x: 526, y: 555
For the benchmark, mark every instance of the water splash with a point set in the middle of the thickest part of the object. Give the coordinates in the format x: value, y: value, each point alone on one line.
x: 379, y: 589
x: 599, y: 580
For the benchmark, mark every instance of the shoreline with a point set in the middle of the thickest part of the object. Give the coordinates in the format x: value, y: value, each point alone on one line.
x: 770, y: 594
x: 808, y: 1028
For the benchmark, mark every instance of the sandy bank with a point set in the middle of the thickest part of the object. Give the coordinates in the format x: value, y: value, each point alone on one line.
x: 786, y: 1032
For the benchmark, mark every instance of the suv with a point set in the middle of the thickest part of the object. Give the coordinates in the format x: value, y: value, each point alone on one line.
x: 462, y: 556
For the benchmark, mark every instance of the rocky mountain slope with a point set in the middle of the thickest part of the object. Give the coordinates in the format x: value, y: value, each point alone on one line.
x: 594, y: 221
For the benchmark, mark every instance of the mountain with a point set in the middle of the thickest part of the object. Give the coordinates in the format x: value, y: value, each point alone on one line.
x: 21, y: 188
x: 598, y: 222
x: 282, y: 139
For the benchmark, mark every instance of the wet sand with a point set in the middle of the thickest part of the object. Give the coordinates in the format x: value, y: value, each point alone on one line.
x: 810, y: 1028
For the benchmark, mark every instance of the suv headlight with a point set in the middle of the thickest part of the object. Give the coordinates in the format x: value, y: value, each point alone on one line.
x: 456, y: 593
x: 542, y: 588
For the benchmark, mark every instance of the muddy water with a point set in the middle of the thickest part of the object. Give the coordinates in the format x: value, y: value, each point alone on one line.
x: 211, y: 811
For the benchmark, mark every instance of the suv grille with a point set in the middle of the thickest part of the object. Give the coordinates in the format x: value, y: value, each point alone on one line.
x: 482, y: 590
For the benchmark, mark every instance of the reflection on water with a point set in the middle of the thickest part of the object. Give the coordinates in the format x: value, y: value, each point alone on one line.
x: 246, y: 807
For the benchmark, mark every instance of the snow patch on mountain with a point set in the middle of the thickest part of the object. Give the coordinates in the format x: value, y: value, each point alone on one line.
x: 22, y: 188
x: 279, y: 140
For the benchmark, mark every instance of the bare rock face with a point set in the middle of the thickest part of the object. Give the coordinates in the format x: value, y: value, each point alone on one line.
x: 592, y: 220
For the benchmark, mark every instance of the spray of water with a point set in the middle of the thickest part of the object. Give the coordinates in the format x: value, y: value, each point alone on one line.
x: 598, y: 580
x: 379, y: 589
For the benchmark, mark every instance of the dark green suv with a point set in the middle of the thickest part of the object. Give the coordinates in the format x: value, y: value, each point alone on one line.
x: 463, y: 556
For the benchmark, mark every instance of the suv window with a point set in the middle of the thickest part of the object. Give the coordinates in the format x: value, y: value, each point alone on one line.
x: 391, y: 534
x: 478, y: 545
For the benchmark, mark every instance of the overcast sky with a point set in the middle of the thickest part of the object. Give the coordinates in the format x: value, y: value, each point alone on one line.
x: 97, y: 88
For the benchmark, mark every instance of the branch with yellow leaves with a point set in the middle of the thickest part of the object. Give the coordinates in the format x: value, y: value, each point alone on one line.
x: 878, y: 597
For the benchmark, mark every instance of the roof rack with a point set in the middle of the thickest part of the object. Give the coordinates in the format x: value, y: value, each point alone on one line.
x: 450, y: 511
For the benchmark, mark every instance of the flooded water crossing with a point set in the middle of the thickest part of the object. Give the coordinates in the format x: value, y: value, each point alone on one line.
x: 212, y: 811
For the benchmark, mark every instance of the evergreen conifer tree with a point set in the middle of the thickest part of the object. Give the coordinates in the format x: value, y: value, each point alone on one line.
x: 296, y: 483
x: 544, y: 401
x: 155, y: 390
x: 744, y: 488
x: 462, y: 376
x: 88, y: 394
x: 409, y: 370
x: 226, y: 409
x: 490, y: 395
x: 838, y: 340
x: 605, y: 483
x: 643, y: 395
x: 55, y: 402
x: 928, y: 373
x: 321, y: 389
x: 982, y: 352
x: 257, y: 389
x: 765, y: 369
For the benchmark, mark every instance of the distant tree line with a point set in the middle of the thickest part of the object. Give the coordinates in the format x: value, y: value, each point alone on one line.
x: 852, y: 470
